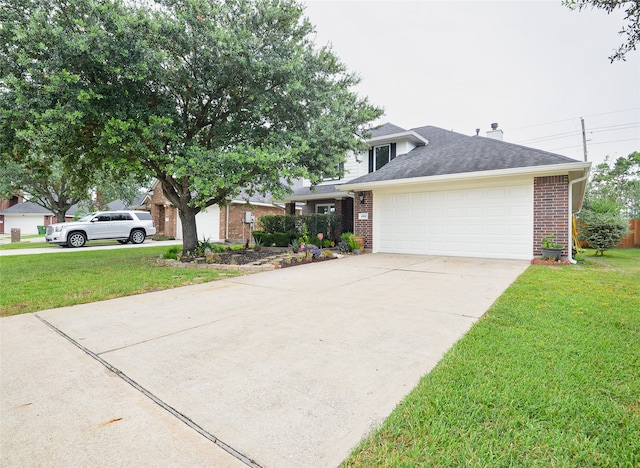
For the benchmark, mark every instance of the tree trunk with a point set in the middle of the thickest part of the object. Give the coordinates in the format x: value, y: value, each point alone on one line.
x: 189, y: 229
x: 61, y: 216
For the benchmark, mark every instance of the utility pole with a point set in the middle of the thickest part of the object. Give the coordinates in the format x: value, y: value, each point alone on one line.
x: 584, y: 140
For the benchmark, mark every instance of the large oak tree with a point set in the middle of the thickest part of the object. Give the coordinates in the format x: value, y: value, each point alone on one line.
x: 210, y: 97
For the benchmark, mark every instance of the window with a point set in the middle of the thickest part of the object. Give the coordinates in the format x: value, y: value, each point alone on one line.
x: 381, y: 155
x: 325, y: 208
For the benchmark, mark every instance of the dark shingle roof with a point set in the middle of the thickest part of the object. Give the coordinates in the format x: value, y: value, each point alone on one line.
x: 316, y: 190
x: 452, y: 153
x: 386, y: 129
x: 439, y: 137
x: 26, y: 208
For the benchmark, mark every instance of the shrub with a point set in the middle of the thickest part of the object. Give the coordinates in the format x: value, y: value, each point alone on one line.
x: 602, y: 225
x: 162, y: 238
x: 327, y: 254
x: 310, y: 224
x: 603, y: 231
x: 265, y: 238
x: 172, y: 253
x: 344, y: 247
x: 281, y: 239
x: 346, y: 236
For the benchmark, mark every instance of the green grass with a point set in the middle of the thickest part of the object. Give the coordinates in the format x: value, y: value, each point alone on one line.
x: 44, y: 281
x: 550, y: 376
x: 44, y: 245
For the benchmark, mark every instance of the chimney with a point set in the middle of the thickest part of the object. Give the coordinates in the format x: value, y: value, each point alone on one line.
x: 495, y: 132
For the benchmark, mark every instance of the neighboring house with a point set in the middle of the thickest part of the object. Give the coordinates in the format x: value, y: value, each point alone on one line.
x: 234, y: 222
x: 436, y: 192
x: 25, y: 216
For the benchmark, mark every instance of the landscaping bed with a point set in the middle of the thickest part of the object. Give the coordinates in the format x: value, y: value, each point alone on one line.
x: 238, y: 257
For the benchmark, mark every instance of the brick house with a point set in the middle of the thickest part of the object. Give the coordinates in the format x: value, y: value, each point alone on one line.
x: 234, y: 222
x: 431, y: 191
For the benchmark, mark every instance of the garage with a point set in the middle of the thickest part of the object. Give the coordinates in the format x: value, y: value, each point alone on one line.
x: 480, y: 221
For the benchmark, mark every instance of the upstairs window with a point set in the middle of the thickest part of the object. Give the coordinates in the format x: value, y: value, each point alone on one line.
x: 381, y: 155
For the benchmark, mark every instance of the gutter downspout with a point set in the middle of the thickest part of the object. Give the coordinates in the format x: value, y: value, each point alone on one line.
x: 226, y: 228
x: 570, y: 219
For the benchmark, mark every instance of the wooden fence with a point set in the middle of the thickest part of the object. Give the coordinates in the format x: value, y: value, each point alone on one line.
x: 633, y: 239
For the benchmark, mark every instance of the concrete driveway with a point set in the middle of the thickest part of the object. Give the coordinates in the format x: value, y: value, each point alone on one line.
x: 291, y: 367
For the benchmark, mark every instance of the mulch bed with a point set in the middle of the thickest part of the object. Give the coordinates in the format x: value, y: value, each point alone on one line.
x: 240, y: 257
x: 549, y: 261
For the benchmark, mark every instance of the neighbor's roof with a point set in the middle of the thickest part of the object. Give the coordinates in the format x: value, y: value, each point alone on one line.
x: 123, y: 205
x: 26, y: 208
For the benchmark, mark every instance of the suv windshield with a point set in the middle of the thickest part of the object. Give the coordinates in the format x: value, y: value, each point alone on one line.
x: 87, y: 218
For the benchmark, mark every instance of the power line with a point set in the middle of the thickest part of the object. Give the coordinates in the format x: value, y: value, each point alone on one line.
x: 549, y: 137
x: 576, y: 145
x: 626, y: 126
x: 574, y: 118
x: 614, y: 141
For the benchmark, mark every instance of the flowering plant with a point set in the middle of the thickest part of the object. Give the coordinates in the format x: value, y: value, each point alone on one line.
x: 311, y: 251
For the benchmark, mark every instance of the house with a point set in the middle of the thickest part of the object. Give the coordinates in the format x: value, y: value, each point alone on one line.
x: 432, y: 191
x: 25, y: 216
x: 234, y: 222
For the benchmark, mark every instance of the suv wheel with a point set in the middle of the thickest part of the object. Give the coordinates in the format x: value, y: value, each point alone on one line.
x: 76, y: 239
x: 137, y: 236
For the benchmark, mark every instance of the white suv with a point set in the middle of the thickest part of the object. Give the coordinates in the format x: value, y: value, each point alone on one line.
x: 123, y: 226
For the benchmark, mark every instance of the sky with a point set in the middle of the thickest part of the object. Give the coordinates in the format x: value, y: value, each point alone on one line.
x: 534, y: 67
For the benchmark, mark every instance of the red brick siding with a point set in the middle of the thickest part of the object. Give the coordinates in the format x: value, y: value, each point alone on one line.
x: 236, y: 218
x: 364, y: 227
x: 550, y: 210
x: 158, y: 205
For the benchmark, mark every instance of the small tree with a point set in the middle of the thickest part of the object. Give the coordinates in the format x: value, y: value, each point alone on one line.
x: 602, y: 224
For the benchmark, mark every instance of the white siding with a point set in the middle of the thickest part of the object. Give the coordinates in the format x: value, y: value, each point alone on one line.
x: 491, y: 222
x: 207, y: 223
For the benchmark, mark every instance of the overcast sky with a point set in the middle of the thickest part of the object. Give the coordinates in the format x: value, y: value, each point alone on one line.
x: 534, y: 67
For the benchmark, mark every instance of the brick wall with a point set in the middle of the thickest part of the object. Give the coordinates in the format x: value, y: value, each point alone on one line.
x: 165, y: 216
x: 364, y: 227
x: 236, y: 218
x: 550, y: 208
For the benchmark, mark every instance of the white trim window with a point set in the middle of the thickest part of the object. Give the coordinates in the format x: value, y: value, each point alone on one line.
x: 380, y: 155
x: 325, y: 208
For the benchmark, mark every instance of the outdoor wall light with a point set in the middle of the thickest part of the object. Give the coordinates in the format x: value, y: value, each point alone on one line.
x: 361, y: 196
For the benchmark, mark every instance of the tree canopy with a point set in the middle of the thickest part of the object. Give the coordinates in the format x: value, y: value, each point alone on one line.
x: 631, y: 28
x: 619, y: 181
x: 213, y: 98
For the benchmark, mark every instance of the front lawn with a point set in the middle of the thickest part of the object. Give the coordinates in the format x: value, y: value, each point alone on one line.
x: 550, y: 376
x: 44, y: 281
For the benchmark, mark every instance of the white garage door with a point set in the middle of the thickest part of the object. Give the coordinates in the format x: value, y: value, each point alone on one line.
x: 491, y: 222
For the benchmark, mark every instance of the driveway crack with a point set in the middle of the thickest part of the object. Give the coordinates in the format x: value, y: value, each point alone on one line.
x: 182, y: 417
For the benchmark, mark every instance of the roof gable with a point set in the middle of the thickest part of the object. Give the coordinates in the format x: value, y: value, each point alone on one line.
x: 26, y: 208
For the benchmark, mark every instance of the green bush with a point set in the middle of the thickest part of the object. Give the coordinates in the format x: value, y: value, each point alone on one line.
x: 327, y: 224
x: 604, y: 231
x: 602, y: 225
x: 281, y: 239
x: 172, y: 253
x: 265, y: 238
